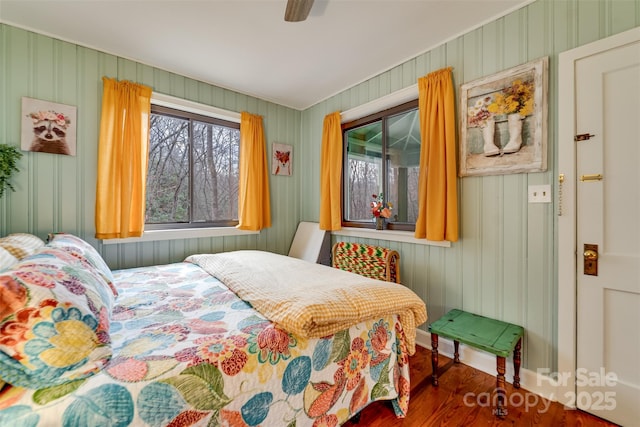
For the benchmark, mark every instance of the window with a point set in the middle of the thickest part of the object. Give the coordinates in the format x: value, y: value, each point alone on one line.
x: 382, y: 155
x: 192, y: 176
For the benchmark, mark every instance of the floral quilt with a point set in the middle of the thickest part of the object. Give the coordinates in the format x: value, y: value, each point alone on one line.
x: 187, y: 351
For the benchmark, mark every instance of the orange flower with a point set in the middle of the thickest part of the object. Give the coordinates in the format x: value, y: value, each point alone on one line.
x: 379, y: 208
x: 12, y: 298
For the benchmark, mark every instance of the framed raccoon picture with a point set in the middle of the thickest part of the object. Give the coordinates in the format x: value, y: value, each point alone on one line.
x: 48, y: 127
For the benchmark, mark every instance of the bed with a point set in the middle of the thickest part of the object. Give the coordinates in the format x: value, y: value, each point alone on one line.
x: 204, y: 342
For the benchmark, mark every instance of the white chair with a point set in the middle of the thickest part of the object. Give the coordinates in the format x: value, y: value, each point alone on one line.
x: 311, y: 244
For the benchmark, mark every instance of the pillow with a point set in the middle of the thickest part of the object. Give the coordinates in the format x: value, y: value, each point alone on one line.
x: 54, y: 320
x: 83, y: 250
x: 16, y: 246
x: 6, y: 258
x: 90, y: 275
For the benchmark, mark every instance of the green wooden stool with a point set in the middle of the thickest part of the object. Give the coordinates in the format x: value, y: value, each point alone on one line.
x: 493, y: 336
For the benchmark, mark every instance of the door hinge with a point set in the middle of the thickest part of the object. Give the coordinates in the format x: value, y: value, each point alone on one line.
x: 583, y: 137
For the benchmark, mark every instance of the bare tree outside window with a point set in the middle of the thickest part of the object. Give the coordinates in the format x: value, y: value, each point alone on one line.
x: 364, y: 181
x: 192, y: 178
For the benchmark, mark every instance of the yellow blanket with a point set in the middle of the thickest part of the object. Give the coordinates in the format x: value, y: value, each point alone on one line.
x: 312, y: 300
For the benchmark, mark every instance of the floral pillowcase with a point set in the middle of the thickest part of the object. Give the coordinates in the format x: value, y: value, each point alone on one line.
x: 85, y: 252
x: 54, y: 320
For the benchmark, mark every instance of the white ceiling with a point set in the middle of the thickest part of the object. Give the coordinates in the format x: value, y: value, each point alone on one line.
x: 246, y: 46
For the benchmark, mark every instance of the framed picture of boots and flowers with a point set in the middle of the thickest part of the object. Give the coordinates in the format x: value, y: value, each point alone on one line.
x: 503, y: 121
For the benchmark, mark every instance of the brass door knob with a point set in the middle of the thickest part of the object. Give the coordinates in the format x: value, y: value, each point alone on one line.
x: 590, y: 254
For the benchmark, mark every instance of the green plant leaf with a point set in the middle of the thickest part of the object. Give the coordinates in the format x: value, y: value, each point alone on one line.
x: 9, y: 156
x: 384, y: 374
x: 201, y: 386
x: 341, y: 345
x: 378, y: 391
x: 49, y: 394
x: 381, y: 388
x: 214, y: 421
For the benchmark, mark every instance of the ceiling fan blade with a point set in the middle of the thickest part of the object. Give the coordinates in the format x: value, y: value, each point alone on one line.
x: 297, y: 10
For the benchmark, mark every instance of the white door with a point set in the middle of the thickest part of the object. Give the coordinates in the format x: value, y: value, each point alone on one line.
x: 607, y: 172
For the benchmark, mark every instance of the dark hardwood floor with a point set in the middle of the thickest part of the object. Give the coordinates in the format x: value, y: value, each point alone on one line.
x: 445, y: 405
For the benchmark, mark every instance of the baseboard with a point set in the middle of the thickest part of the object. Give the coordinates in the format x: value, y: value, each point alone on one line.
x: 531, y: 381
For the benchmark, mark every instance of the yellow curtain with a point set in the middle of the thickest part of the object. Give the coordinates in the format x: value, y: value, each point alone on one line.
x: 437, y: 188
x: 123, y: 153
x: 331, y: 173
x: 254, y: 209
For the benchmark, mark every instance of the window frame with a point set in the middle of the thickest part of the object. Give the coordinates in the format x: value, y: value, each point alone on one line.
x: 382, y: 115
x: 201, y: 116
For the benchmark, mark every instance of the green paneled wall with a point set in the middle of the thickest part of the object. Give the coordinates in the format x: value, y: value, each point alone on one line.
x: 57, y: 193
x: 504, y: 264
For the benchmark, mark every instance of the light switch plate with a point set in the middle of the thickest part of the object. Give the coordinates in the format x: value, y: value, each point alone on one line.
x: 540, y: 193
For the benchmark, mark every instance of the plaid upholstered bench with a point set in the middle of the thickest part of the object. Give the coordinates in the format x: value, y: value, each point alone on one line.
x: 375, y: 262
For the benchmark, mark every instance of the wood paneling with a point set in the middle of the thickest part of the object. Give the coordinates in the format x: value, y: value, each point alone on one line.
x: 504, y: 265
x: 57, y: 193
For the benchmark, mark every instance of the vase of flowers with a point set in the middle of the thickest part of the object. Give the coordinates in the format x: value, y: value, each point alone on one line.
x: 380, y: 210
x: 516, y: 101
x: 479, y: 113
x: 479, y: 116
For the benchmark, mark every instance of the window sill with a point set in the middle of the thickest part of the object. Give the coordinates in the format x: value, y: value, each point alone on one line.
x: 390, y: 235
x: 185, y: 233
